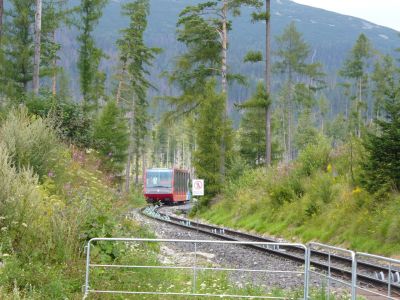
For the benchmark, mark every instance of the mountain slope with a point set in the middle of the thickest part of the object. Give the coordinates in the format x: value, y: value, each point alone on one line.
x: 329, y: 34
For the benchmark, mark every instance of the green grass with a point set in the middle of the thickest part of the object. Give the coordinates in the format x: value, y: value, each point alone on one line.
x: 316, y: 203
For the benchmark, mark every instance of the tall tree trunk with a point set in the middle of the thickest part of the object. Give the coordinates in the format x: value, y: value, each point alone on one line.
x: 120, y: 83
x: 128, y: 172
x: 168, y: 155
x: 130, y: 148
x: 359, y: 107
x: 268, y: 145
x: 224, y: 81
x: 290, y: 114
x: 36, y: 60
x: 137, y: 156
x: 143, y: 163
x: 54, y: 77
x: 1, y: 18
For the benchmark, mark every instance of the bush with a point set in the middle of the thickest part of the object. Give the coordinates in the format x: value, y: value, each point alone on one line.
x: 45, y: 223
x: 19, y: 197
x: 31, y: 143
x: 314, y: 157
x: 73, y: 125
x: 281, y: 193
x: 111, y: 138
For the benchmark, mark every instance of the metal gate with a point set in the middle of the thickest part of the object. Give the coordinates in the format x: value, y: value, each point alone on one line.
x: 391, y: 275
x: 194, y: 269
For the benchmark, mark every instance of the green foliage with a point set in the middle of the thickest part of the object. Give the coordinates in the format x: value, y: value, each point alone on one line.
x: 355, y: 68
x: 73, y: 126
x: 111, y: 138
x: 302, y: 80
x: 306, y: 133
x: 253, y: 127
x: 382, y: 166
x: 135, y: 57
x: 211, y: 130
x: 19, y: 54
x: 31, y: 142
x: 253, y: 56
x: 91, y: 79
x: 45, y: 223
x: 314, y: 157
x: 281, y: 193
x: 321, y: 205
x: 200, y: 29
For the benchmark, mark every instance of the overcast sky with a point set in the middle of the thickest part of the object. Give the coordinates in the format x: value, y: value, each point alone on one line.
x: 382, y: 12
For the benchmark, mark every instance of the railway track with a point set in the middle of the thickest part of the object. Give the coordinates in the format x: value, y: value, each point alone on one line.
x: 368, y: 274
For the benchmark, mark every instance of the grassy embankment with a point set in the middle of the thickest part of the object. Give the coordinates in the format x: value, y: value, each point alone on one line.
x: 53, y: 199
x: 315, y: 198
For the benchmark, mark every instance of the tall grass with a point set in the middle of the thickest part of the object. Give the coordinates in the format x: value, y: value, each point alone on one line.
x: 315, y: 198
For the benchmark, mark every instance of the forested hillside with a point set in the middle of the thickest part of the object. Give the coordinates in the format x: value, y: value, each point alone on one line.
x: 329, y: 35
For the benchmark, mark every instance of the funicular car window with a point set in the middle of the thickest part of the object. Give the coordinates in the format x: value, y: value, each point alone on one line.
x: 159, y: 178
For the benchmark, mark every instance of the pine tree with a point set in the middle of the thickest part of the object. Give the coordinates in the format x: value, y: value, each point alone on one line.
x: 1, y: 19
x: 257, y: 107
x: 383, y: 147
x: 19, y: 54
x: 355, y: 68
x: 91, y: 79
x: 383, y: 69
x: 203, y: 28
x: 302, y: 80
x: 55, y: 13
x: 210, y: 128
x: 254, y: 57
x: 135, y: 57
x: 111, y: 138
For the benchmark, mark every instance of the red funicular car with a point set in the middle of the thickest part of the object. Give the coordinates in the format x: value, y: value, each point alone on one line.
x: 166, y: 185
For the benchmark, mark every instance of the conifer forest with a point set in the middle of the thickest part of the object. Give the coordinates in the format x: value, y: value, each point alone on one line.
x: 294, y: 128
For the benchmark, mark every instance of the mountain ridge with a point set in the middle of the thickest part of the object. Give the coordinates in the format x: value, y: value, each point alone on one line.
x: 329, y: 34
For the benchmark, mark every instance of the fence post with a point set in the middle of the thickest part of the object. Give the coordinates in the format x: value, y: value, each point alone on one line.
x: 353, y: 276
x: 307, y: 255
x: 194, y: 268
x: 87, y: 270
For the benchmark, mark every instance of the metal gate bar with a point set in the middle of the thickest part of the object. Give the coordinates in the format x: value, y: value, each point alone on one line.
x: 352, y: 254
x: 390, y: 262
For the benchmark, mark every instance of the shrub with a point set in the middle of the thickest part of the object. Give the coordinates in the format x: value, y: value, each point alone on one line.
x: 322, y: 188
x: 31, y: 143
x: 19, y: 197
x: 314, y: 157
x: 111, y: 138
x: 281, y: 193
x: 73, y: 125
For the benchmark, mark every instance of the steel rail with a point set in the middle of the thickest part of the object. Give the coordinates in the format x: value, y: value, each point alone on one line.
x: 205, y: 229
x: 324, y: 255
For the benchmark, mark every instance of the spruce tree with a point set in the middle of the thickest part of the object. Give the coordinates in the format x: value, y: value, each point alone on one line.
x: 257, y: 56
x: 382, y: 168
x: 135, y: 58
x: 1, y: 19
x: 204, y: 28
x: 210, y: 128
x: 302, y: 79
x: 91, y: 79
x: 355, y: 68
x: 111, y: 138
x: 19, y: 50
x: 256, y: 107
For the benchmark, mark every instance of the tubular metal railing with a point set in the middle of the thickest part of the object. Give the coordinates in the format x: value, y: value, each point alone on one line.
x: 392, y: 274
x: 331, y: 250
x: 195, y: 268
